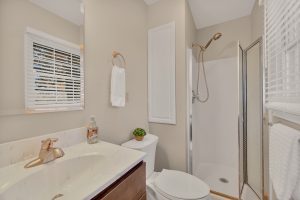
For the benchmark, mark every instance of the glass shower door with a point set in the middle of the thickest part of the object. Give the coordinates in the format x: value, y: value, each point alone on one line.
x: 251, y: 120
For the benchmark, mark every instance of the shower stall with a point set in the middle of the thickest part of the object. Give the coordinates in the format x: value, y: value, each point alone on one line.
x: 217, y: 139
x: 214, y: 128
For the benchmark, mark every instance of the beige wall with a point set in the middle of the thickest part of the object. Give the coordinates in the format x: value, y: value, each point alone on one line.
x: 110, y: 25
x: 190, y: 27
x: 15, y: 16
x: 171, y: 150
x: 226, y: 46
x: 257, y: 21
x: 116, y: 25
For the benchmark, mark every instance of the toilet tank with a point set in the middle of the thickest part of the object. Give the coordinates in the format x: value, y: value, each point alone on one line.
x: 148, y: 145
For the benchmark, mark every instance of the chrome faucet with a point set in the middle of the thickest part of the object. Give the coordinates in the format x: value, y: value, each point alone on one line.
x: 47, y: 153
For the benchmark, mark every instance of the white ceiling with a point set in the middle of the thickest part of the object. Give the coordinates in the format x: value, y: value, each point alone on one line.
x: 67, y: 9
x: 211, y: 12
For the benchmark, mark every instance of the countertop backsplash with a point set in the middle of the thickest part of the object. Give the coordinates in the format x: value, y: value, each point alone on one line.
x: 20, y: 150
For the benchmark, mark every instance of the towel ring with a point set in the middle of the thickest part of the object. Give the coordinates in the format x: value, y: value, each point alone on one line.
x: 115, y: 54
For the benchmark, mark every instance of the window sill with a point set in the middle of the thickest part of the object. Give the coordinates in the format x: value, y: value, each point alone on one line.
x: 52, y: 110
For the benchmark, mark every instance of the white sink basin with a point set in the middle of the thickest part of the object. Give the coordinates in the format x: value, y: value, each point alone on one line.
x: 57, y: 178
x: 83, y: 172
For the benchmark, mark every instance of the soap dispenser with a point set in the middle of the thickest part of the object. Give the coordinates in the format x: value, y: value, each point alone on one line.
x: 92, y: 131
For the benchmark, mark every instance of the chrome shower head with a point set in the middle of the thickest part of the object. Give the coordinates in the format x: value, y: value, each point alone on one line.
x: 215, y: 37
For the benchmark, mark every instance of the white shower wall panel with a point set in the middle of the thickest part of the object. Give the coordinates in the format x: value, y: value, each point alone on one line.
x: 215, y: 123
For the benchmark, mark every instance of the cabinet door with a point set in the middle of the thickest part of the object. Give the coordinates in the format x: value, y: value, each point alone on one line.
x: 132, y: 186
x: 143, y: 197
x: 162, y: 74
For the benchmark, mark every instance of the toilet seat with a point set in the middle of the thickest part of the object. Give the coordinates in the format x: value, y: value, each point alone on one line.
x: 176, y: 185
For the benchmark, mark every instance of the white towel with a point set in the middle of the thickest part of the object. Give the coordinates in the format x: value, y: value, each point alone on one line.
x: 118, y: 87
x: 284, y: 160
x: 296, y: 194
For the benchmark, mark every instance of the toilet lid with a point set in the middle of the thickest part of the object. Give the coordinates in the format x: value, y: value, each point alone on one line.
x: 180, y: 185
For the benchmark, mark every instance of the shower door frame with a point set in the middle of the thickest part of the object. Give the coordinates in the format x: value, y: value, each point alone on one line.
x: 243, y: 118
x: 189, y: 114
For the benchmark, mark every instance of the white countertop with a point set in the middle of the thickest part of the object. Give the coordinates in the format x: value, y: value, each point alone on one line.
x: 83, y: 172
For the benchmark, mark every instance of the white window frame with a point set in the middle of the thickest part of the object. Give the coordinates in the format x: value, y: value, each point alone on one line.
x: 50, y: 108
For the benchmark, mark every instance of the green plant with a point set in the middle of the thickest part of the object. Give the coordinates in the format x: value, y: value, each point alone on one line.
x: 139, y: 132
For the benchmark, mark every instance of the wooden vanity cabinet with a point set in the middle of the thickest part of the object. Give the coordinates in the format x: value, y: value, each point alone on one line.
x: 131, y: 186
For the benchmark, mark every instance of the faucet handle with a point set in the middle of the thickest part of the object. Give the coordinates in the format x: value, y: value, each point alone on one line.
x: 48, y: 143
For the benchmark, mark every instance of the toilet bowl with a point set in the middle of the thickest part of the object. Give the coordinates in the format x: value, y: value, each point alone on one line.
x: 167, y: 184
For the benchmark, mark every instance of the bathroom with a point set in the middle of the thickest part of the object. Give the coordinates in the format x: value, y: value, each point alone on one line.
x: 214, y: 85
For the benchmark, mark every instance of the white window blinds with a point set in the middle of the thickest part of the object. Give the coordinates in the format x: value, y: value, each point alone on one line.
x: 282, y: 34
x: 54, y: 74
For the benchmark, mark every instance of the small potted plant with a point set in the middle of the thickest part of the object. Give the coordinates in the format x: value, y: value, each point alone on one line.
x: 139, y: 134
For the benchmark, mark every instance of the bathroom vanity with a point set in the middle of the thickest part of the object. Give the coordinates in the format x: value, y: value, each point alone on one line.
x: 101, y: 171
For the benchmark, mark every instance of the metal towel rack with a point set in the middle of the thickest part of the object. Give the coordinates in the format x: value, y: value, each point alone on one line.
x: 115, y: 55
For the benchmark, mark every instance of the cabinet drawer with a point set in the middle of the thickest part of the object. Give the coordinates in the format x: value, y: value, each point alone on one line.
x: 131, y: 186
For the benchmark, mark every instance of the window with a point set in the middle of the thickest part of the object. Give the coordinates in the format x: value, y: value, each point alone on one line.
x: 54, y: 74
x: 282, y: 32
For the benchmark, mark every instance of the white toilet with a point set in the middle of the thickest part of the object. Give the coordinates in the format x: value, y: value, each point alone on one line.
x: 168, y: 184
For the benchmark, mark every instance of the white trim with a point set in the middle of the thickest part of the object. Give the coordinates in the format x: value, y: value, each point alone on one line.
x: 172, y: 92
x: 52, y: 38
x: 54, y: 109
